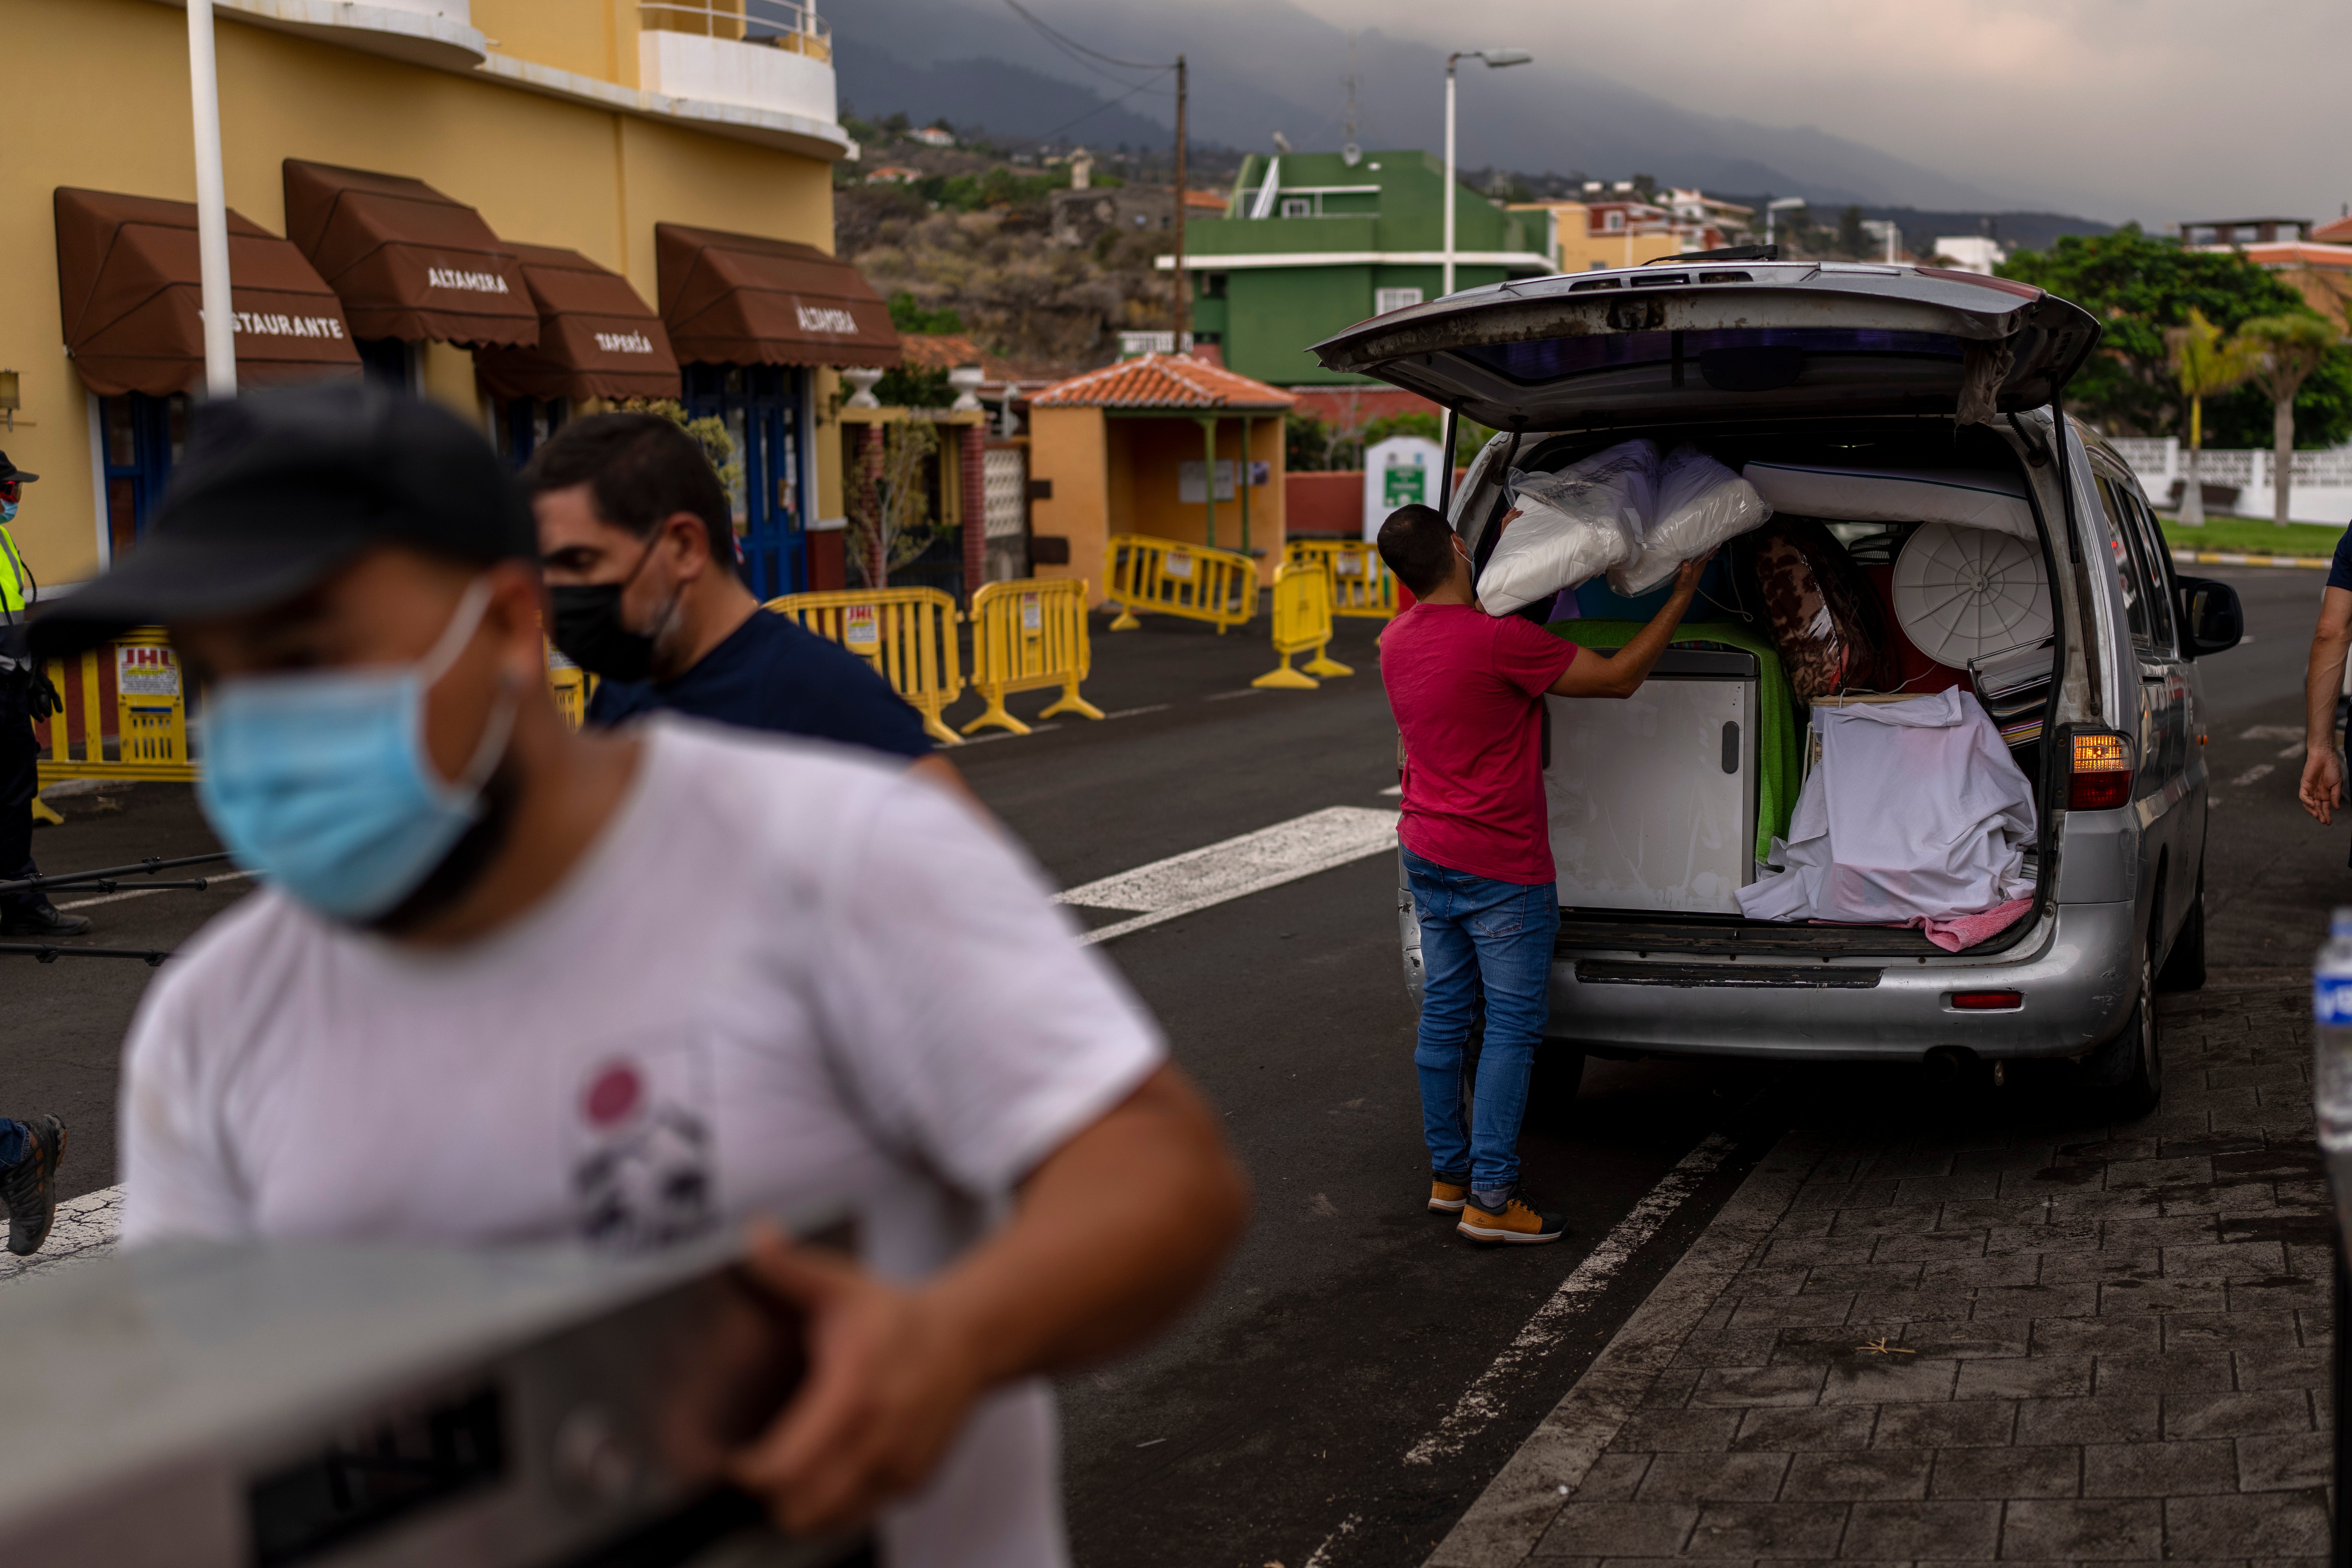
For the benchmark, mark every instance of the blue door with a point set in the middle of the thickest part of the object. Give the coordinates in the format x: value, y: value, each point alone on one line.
x: 761, y: 407
x: 143, y: 438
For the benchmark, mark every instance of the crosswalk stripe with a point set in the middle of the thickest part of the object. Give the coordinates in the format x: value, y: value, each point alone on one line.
x: 1252, y: 862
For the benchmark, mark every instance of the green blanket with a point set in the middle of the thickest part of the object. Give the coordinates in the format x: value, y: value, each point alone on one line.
x: 1779, y: 761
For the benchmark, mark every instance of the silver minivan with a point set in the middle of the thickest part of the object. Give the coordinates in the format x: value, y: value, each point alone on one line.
x: 1751, y: 357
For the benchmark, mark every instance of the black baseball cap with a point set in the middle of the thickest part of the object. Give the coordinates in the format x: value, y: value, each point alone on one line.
x: 9, y: 471
x: 281, y: 488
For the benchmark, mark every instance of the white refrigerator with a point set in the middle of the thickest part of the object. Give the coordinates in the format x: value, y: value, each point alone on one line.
x: 1653, y: 799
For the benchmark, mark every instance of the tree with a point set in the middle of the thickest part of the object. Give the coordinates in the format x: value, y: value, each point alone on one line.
x: 709, y: 433
x: 2286, y: 348
x: 891, y: 519
x: 2138, y: 287
x: 2204, y: 363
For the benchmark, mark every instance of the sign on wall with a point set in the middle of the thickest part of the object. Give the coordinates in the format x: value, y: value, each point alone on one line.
x: 1399, y: 471
x: 1191, y: 482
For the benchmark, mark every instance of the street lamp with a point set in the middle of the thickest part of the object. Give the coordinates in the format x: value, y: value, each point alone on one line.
x: 1496, y: 60
x: 1783, y: 204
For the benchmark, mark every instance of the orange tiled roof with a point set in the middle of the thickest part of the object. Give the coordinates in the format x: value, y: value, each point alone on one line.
x: 2335, y: 231
x: 2292, y: 253
x: 1162, y: 381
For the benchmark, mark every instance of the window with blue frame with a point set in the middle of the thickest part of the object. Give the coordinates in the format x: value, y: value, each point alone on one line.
x: 143, y: 437
x: 522, y: 424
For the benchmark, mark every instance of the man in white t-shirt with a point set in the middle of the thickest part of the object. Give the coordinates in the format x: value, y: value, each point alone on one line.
x: 508, y: 983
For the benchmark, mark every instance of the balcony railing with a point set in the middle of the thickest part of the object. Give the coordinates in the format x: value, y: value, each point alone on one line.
x: 778, y: 23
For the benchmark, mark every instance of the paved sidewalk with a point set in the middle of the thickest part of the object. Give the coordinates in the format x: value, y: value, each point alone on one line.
x: 2032, y: 1344
x: 85, y: 1229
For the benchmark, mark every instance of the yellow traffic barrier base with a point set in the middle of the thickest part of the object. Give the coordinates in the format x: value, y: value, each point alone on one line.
x: 1302, y: 624
x: 44, y: 812
x: 907, y: 635
x: 1027, y: 635
x: 1167, y: 577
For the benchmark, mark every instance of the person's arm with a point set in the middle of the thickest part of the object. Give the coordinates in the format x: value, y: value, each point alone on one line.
x: 1592, y: 673
x: 1113, y: 1232
x: 2322, y: 790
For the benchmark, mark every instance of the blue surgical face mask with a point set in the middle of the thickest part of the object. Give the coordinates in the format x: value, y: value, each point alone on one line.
x: 322, y: 782
x: 8, y: 512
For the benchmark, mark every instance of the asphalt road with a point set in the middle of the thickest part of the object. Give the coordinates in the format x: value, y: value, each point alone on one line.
x: 1272, y: 1424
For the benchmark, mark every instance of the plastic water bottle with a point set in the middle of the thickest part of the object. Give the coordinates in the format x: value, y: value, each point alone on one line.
x: 2331, y: 1032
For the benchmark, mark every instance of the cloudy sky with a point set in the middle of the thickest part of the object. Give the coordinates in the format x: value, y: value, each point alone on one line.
x: 2153, y: 109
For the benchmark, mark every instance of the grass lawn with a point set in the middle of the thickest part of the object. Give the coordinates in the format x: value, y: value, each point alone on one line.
x: 2253, y: 536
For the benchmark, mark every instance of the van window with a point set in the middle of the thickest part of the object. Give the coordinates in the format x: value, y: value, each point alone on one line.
x: 2130, y: 565
x: 2159, y: 572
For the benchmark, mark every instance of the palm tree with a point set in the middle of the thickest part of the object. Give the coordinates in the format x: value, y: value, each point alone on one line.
x: 2292, y: 347
x: 2205, y: 365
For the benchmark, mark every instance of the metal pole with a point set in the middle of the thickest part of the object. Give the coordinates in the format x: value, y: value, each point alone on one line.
x: 212, y: 206
x: 1184, y: 284
x: 1447, y: 196
x: 1209, y: 479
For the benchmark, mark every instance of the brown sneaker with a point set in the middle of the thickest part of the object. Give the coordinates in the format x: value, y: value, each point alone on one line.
x: 1515, y: 1221
x: 30, y: 1186
x: 1447, y: 1197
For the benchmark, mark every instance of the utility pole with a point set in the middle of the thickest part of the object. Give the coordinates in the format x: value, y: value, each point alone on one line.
x: 1184, y: 284
x: 211, y: 208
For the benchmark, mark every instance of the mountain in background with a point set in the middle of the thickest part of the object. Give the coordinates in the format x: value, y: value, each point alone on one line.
x: 1262, y: 66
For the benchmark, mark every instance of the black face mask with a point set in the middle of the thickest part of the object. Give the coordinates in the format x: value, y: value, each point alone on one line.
x: 588, y: 629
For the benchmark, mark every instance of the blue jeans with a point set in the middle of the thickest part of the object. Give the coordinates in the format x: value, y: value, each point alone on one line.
x: 1478, y: 935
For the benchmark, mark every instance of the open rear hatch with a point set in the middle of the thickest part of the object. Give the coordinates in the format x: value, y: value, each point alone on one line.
x: 1716, y: 341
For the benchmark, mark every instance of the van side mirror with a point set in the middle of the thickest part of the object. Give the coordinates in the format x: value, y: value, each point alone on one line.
x: 2211, y: 616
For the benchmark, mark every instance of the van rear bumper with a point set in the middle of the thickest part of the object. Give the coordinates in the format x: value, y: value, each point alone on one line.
x: 2076, y: 978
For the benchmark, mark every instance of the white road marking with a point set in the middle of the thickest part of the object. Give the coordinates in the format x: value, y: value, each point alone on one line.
x: 2294, y: 751
x: 1182, y: 884
x: 1347, y: 1528
x: 2274, y: 732
x: 2254, y: 774
x: 1393, y: 789
x: 1229, y: 696
x: 1131, y: 713
x: 149, y: 892
x: 1484, y: 1400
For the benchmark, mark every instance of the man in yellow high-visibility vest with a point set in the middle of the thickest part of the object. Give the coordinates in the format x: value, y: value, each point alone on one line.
x: 25, y: 696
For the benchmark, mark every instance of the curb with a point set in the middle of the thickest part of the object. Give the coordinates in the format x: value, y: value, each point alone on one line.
x: 2230, y: 558
x: 1506, y: 1524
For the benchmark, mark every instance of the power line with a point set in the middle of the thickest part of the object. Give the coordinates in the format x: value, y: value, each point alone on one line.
x: 1098, y: 108
x: 1077, y: 50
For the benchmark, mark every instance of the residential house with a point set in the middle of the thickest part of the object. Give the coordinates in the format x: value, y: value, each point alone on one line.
x: 1314, y: 242
x: 2319, y: 270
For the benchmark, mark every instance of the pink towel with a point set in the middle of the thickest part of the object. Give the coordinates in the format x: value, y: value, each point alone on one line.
x: 1959, y: 931
x: 1967, y: 931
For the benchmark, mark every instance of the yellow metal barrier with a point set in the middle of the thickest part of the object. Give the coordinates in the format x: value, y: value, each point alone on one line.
x: 1167, y: 577
x: 907, y: 635
x: 1361, y: 582
x: 148, y: 703
x: 1028, y: 635
x: 571, y: 685
x: 1302, y: 624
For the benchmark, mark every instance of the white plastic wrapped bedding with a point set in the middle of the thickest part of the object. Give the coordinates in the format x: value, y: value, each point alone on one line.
x: 1700, y: 503
x: 1567, y: 528
x: 1966, y: 498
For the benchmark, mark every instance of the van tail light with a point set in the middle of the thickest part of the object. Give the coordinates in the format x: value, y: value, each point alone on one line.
x: 1988, y: 1001
x: 2101, y: 777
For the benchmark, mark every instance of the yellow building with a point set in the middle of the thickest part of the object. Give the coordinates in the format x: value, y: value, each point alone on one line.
x: 1128, y: 449
x: 518, y: 207
x: 1593, y: 235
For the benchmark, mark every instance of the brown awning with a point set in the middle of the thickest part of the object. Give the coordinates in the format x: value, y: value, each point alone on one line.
x: 736, y: 298
x: 131, y: 294
x: 596, y: 337
x: 408, y: 262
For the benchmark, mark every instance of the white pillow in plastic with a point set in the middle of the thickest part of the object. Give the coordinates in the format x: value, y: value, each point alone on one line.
x: 1700, y: 504
x: 1965, y: 498
x: 1570, y: 526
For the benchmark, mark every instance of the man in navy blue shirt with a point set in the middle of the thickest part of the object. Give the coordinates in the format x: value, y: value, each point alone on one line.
x: 2322, y: 790
x: 637, y: 542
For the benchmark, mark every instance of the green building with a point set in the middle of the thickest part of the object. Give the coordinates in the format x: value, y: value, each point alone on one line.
x: 1311, y: 244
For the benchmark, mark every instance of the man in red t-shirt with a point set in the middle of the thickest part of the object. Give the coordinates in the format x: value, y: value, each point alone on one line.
x: 1468, y: 691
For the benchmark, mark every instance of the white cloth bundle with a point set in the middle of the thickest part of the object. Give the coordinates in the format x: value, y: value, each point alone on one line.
x: 1950, y: 841
x: 1570, y: 526
x: 1700, y: 503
